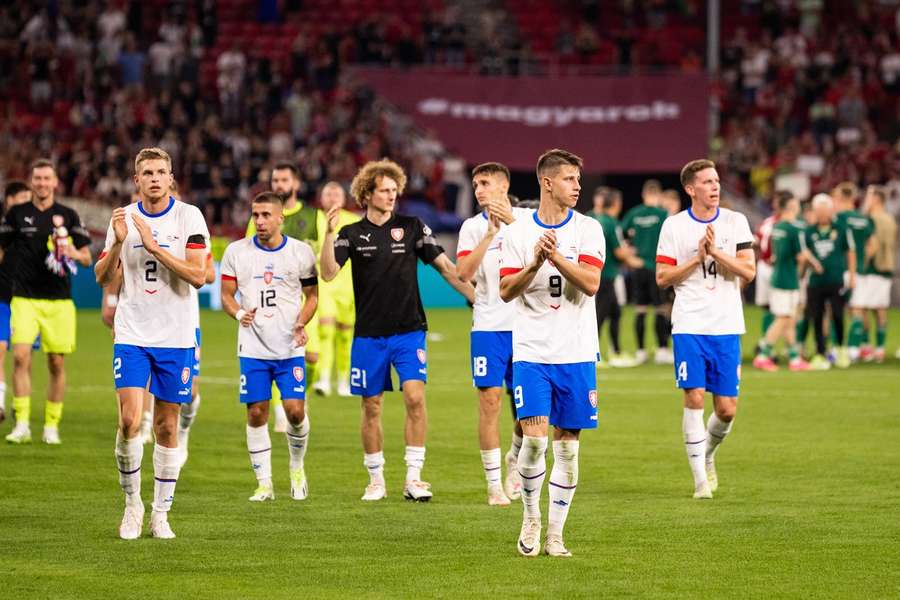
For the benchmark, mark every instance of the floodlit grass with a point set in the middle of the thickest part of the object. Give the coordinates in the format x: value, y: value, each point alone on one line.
x: 808, y: 502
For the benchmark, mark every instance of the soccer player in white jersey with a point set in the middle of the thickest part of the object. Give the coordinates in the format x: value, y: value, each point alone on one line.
x: 706, y: 252
x: 478, y: 260
x: 160, y: 246
x: 551, y: 263
x: 271, y: 271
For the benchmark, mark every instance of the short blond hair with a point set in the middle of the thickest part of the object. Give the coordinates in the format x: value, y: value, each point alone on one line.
x: 364, y: 182
x: 152, y: 154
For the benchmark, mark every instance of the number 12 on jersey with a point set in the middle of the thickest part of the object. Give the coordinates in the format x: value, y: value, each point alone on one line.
x: 267, y: 298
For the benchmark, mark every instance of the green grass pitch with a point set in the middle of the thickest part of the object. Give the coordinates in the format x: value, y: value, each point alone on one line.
x: 808, y: 504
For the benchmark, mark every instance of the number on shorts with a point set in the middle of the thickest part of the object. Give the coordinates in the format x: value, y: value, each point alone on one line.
x: 358, y: 378
x: 243, y: 388
x: 682, y: 370
x: 480, y: 365
x: 555, y: 286
x: 150, y: 267
x: 117, y: 367
x: 519, y: 396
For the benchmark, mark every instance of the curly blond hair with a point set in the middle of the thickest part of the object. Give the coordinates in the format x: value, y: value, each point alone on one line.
x: 365, y: 181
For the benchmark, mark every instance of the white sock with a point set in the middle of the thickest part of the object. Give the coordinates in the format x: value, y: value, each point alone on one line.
x: 532, y: 467
x: 415, y: 460
x: 297, y: 438
x: 166, y: 465
x: 129, y: 454
x: 189, y: 413
x: 695, y: 443
x: 2, y: 396
x: 374, y: 463
x: 280, y: 414
x: 515, y: 446
x: 716, y: 430
x: 147, y: 420
x: 490, y: 459
x: 260, y: 448
x: 563, y: 481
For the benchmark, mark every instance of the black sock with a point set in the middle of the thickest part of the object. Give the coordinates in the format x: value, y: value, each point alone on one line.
x: 663, y: 328
x: 639, y: 327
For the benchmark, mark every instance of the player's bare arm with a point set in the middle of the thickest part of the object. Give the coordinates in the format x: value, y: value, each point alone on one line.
x: 106, y: 268
x: 310, y: 303
x: 671, y: 275
x: 584, y: 276
x: 743, y: 264
x: 514, y: 285
x: 448, y: 271
x: 191, y: 269
x: 851, y: 268
x: 467, y: 265
x: 231, y: 306
x: 626, y: 255
x: 210, y: 269
x: 329, y: 266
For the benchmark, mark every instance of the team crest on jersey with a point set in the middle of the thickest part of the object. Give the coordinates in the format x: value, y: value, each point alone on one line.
x: 421, y: 354
x: 58, y: 220
x: 298, y: 373
x: 397, y: 233
x: 185, y: 375
x: 592, y: 396
x: 269, y: 273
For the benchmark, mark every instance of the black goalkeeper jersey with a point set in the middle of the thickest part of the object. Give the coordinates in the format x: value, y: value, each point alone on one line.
x: 385, y: 282
x: 27, y: 237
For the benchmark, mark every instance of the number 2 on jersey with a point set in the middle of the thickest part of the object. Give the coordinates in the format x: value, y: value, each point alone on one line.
x: 150, y: 268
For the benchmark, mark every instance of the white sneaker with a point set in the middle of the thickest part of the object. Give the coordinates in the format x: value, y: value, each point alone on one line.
x: 262, y: 494
x: 622, y: 361
x: 132, y: 522
x: 322, y: 387
x: 496, y: 497
x: 21, y: 434
x: 299, y: 487
x: 375, y: 491
x: 512, y: 485
x: 529, y: 543
x: 554, y: 547
x: 343, y: 388
x: 281, y: 422
x: 640, y: 357
x: 51, y: 435
x: 183, y: 438
x: 703, y: 491
x: 159, y: 526
x: 711, y: 477
x: 663, y: 356
x: 417, y: 491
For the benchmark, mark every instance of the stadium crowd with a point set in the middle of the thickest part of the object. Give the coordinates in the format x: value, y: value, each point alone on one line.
x: 802, y: 89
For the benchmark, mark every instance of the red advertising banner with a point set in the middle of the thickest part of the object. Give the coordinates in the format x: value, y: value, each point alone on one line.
x: 650, y: 123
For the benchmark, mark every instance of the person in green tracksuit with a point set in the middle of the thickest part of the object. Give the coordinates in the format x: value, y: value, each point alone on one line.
x: 607, y: 206
x: 833, y: 252
x: 788, y: 255
x: 641, y: 227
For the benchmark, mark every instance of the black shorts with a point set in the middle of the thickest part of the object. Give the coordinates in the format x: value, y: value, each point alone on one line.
x: 606, y: 302
x: 644, y: 288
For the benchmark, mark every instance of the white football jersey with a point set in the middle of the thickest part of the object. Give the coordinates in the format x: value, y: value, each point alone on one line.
x: 155, y: 305
x: 271, y: 281
x: 555, y: 322
x: 489, y: 312
x: 707, y: 302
